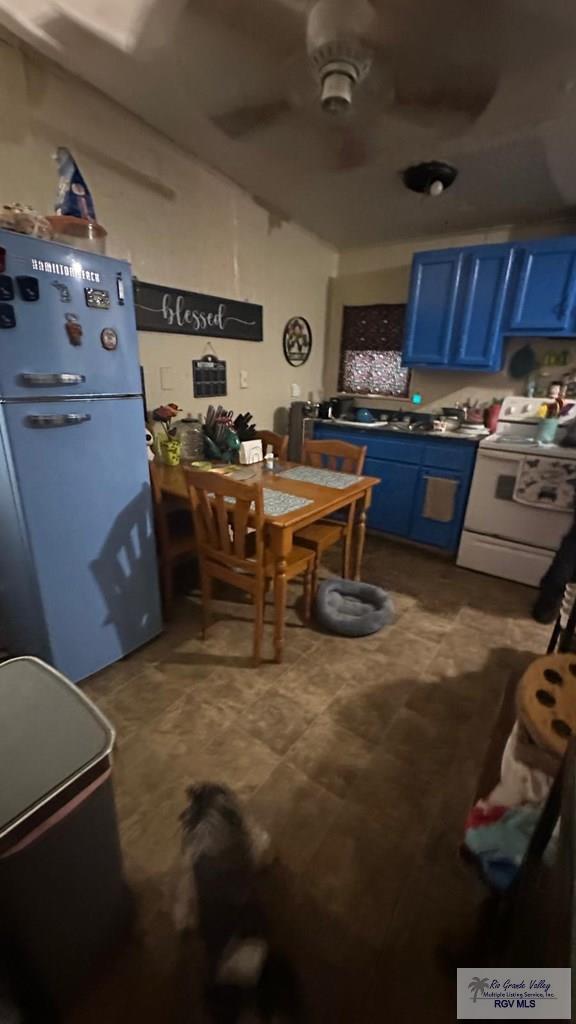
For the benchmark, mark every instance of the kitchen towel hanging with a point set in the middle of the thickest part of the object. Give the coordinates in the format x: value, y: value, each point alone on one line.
x: 440, y: 498
x: 546, y: 483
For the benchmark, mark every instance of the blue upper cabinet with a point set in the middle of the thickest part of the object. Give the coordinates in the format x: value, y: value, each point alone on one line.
x: 545, y: 292
x: 477, y: 341
x: 456, y: 307
x: 463, y: 302
x: 434, y: 288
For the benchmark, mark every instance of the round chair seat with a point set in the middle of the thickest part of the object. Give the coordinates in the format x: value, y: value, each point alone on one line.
x: 353, y: 609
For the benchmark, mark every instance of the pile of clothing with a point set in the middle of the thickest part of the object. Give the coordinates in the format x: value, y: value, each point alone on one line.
x: 499, y: 828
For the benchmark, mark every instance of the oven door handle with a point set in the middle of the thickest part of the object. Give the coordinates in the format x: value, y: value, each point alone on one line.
x: 501, y: 456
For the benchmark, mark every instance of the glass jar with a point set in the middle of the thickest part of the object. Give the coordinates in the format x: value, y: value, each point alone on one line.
x: 189, y: 432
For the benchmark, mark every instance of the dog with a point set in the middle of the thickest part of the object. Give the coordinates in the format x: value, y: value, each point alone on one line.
x: 217, y: 896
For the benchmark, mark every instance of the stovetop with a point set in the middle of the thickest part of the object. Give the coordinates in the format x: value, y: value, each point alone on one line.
x: 526, y: 445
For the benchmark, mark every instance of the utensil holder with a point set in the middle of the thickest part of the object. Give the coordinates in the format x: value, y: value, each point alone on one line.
x: 547, y: 430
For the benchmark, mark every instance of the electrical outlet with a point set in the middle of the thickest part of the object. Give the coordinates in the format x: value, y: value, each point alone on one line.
x: 243, y: 378
x: 295, y: 390
x: 166, y: 378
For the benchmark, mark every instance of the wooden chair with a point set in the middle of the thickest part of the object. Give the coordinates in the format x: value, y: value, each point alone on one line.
x: 175, y: 537
x: 279, y: 443
x: 231, y: 545
x: 344, y: 458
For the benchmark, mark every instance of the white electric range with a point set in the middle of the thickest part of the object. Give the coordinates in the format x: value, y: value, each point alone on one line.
x: 501, y: 536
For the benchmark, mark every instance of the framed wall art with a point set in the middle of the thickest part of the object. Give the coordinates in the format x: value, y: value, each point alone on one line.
x: 297, y: 341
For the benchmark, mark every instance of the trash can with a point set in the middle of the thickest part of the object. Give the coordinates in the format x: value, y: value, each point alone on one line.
x: 63, y: 900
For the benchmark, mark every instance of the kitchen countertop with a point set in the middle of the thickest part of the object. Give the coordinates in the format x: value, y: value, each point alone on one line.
x: 385, y: 428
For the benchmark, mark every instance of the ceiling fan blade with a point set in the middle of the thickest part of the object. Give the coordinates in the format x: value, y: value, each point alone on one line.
x: 245, y: 120
x: 280, y: 27
x: 353, y: 152
x: 447, y: 98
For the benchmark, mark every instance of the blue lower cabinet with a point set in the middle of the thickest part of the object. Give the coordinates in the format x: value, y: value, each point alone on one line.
x: 438, y: 508
x: 423, y: 487
x: 393, y: 499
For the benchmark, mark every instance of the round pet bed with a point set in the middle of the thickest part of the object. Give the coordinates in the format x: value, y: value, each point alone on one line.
x: 353, y: 609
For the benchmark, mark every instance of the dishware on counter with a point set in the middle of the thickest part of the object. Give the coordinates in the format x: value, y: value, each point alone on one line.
x: 364, y: 416
x: 454, y: 412
x: 474, y: 414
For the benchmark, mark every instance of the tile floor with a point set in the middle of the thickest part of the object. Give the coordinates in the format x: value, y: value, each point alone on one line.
x: 360, y: 756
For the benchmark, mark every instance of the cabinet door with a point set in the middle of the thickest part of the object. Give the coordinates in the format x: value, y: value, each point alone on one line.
x: 478, y: 337
x: 393, y: 499
x: 439, y: 508
x: 545, y: 290
x: 434, y: 288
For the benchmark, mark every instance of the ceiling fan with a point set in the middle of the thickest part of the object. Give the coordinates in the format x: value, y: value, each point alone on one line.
x: 356, y: 66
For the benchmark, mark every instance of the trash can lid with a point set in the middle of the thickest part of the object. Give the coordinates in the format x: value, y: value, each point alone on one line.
x: 50, y: 733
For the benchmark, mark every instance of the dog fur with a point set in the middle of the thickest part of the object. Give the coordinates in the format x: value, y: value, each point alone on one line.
x: 216, y: 894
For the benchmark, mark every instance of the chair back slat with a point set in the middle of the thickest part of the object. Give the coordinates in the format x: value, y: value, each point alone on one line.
x: 222, y: 525
x: 279, y: 443
x: 240, y: 514
x: 340, y: 456
x: 221, y: 521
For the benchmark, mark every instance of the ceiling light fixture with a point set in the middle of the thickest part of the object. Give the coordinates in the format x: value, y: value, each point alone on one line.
x: 431, y: 178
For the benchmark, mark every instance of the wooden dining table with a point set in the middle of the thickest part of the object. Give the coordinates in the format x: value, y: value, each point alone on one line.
x: 322, y: 501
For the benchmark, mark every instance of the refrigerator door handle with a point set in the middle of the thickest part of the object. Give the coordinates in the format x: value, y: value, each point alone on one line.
x: 69, y: 419
x: 45, y: 380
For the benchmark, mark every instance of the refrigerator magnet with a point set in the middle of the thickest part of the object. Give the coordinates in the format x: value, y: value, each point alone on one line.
x: 63, y: 291
x: 109, y: 339
x: 74, y: 329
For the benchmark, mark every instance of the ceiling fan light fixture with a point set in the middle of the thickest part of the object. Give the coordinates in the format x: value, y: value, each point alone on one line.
x: 337, y: 86
x: 431, y: 178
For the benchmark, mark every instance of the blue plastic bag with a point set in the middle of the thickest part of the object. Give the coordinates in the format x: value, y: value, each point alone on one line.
x: 74, y: 198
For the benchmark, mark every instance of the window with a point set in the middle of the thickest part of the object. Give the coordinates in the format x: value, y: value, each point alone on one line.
x: 371, y: 351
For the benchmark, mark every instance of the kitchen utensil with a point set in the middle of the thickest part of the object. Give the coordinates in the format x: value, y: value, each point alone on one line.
x: 523, y: 363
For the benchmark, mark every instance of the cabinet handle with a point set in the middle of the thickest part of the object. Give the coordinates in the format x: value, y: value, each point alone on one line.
x: 45, y: 380
x: 65, y: 420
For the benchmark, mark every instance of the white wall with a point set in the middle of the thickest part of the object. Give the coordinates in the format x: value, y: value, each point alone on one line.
x: 176, y: 221
x: 382, y: 274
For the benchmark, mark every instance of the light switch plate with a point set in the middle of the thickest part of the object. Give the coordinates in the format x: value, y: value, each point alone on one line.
x: 166, y: 378
x: 243, y: 378
x: 295, y: 391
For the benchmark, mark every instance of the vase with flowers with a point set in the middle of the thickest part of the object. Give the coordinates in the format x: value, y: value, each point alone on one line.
x: 170, y: 448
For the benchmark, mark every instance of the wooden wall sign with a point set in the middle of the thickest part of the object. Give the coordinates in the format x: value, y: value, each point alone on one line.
x: 173, y: 311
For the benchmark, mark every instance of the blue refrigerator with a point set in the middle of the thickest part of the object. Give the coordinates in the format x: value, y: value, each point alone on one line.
x: 78, y: 575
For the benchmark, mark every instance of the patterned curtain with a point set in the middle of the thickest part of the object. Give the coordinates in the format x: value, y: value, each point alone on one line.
x: 371, y: 350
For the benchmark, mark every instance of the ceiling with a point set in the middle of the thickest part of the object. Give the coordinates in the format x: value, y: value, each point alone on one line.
x: 178, y: 65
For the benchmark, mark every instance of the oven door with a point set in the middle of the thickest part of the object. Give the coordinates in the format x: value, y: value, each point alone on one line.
x: 492, y: 510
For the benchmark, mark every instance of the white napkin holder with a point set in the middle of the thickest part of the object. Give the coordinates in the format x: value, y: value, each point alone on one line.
x: 250, y: 452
